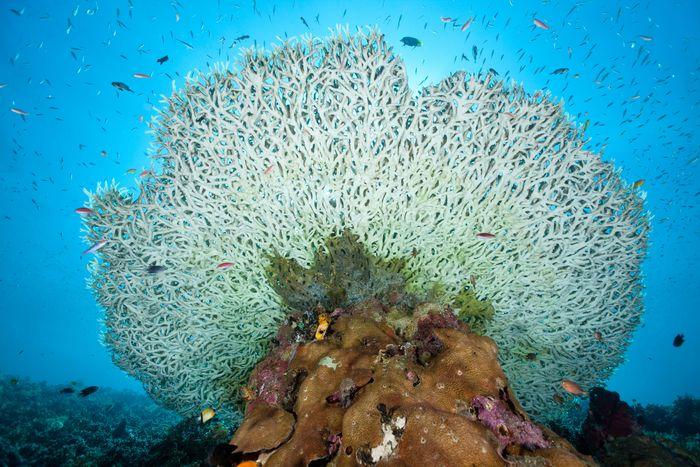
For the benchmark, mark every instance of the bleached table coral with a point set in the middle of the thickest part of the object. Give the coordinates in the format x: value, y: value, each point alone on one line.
x: 323, y: 135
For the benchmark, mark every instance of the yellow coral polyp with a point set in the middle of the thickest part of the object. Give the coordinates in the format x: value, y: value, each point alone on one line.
x: 322, y: 327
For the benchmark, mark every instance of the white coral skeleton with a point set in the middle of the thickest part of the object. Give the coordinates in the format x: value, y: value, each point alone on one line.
x: 322, y: 135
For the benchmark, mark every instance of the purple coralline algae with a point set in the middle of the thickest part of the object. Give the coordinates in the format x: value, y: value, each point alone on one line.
x: 509, y: 427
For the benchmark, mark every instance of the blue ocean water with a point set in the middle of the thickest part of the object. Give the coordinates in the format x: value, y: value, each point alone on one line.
x: 633, y: 69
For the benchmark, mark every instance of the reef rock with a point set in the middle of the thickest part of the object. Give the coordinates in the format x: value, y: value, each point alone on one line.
x: 608, y: 418
x: 613, y: 435
x: 388, y: 386
x: 645, y: 451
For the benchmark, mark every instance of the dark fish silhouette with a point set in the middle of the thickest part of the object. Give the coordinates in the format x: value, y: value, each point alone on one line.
x: 163, y: 59
x: 121, y: 86
x: 155, y: 269
x: 68, y: 390
x: 411, y: 41
x: 88, y: 390
x: 560, y: 71
x: 678, y: 340
x: 186, y: 44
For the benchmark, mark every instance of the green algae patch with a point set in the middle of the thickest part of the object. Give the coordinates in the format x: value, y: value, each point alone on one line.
x: 342, y: 273
x: 476, y: 313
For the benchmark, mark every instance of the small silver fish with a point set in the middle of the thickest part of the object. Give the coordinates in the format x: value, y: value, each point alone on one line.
x: 560, y: 71
x: 100, y: 243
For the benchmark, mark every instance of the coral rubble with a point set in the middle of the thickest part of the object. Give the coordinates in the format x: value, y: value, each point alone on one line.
x: 389, y: 385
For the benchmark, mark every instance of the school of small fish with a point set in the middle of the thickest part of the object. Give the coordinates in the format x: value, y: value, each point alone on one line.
x: 632, y: 82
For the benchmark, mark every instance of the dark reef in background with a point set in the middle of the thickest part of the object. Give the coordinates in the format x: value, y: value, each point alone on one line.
x: 187, y: 443
x: 681, y: 419
x: 41, y: 426
x: 653, y: 435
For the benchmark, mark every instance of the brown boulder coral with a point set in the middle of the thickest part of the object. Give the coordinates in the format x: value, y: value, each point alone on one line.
x: 388, y: 385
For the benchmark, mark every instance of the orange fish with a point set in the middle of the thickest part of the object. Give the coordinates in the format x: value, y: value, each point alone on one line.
x: 446, y: 19
x: 247, y: 464
x: 224, y: 265
x: 572, y: 388
x: 84, y: 211
x: 540, y: 24
x: 485, y: 235
x: 638, y: 183
x: 268, y: 170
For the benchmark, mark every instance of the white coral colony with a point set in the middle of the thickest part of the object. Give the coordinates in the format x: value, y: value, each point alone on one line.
x: 323, y: 135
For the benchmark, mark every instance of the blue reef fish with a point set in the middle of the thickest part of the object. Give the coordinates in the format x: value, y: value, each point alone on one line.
x: 411, y: 41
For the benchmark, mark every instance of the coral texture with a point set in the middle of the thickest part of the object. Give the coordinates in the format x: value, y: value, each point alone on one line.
x: 319, y: 136
x: 367, y: 394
